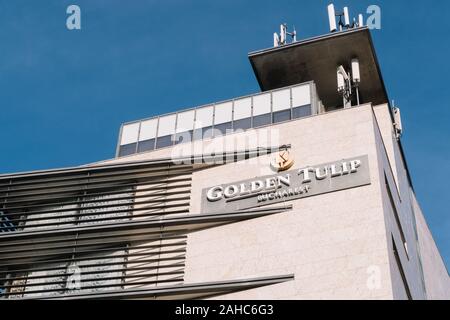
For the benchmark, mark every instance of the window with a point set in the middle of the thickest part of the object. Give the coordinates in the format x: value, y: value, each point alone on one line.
x: 262, y: 120
x: 127, y: 149
x: 203, y: 123
x: 261, y: 110
x: 5, y: 224
x: 183, y: 137
x: 89, y: 204
x: 147, y: 135
x: 281, y: 116
x: 129, y: 133
x: 129, y: 138
x: 207, y: 132
x: 185, y: 126
x: 242, y: 114
x: 300, y: 112
x: 146, y: 145
x: 301, y: 102
x: 223, y: 117
x: 164, y: 141
x: 210, y: 121
x: 301, y: 96
x: 242, y: 124
x: 166, y: 130
x: 281, y: 105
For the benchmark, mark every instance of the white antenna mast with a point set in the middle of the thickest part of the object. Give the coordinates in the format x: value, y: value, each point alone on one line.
x: 356, y: 77
x: 344, y: 15
x: 283, y: 33
x: 332, y: 18
x: 360, y: 20
x: 397, y: 121
x: 347, y: 81
x: 276, y: 40
x: 279, y: 40
x: 344, y: 86
x: 346, y: 18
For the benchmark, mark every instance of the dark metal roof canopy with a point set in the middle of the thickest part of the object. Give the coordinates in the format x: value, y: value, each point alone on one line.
x: 317, y: 59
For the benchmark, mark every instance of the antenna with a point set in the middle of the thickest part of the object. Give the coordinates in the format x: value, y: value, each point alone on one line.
x: 360, y: 20
x: 355, y: 71
x: 397, y: 121
x: 356, y: 77
x: 332, y: 18
x: 347, y: 81
x: 344, y: 86
x: 344, y: 15
x: 279, y: 40
x: 283, y: 33
x: 276, y: 40
x: 342, y: 78
x: 346, y: 18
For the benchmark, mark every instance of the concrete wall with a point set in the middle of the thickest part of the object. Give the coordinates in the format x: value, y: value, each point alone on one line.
x: 338, y: 245
x: 391, y: 166
x: 437, y: 281
x: 424, y: 269
x: 334, y: 243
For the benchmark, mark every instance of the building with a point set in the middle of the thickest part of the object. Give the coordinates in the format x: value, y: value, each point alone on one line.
x: 300, y: 191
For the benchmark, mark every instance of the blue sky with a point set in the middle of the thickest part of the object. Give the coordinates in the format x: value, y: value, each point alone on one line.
x: 64, y: 94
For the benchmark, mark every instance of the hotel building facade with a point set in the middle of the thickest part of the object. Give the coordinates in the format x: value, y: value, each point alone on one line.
x: 289, y: 193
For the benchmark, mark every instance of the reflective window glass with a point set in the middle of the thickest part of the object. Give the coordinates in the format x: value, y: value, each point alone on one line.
x: 301, y: 95
x: 129, y: 133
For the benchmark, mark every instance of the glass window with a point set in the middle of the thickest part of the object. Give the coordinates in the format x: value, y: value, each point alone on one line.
x: 223, y: 128
x: 242, y: 114
x: 223, y: 116
x: 281, y: 116
x: 166, y: 125
x: 204, y: 117
x: 202, y: 133
x: 129, y: 133
x: 242, y: 108
x: 207, y: 132
x: 148, y: 129
x: 262, y: 120
x: 166, y: 130
x: 197, y: 134
x: 5, y: 224
x: 261, y: 104
x: 300, y: 112
x: 223, y: 113
x: 127, y: 149
x: 281, y: 100
x: 185, y: 124
x: 146, y: 145
x: 261, y: 110
x: 301, y: 95
x: 183, y: 137
x: 185, y: 121
x: 164, y: 141
x: 242, y: 124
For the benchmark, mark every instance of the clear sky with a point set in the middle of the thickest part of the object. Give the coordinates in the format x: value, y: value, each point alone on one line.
x: 64, y: 94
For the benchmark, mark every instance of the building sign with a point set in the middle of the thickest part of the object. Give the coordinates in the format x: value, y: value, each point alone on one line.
x: 286, y: 186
